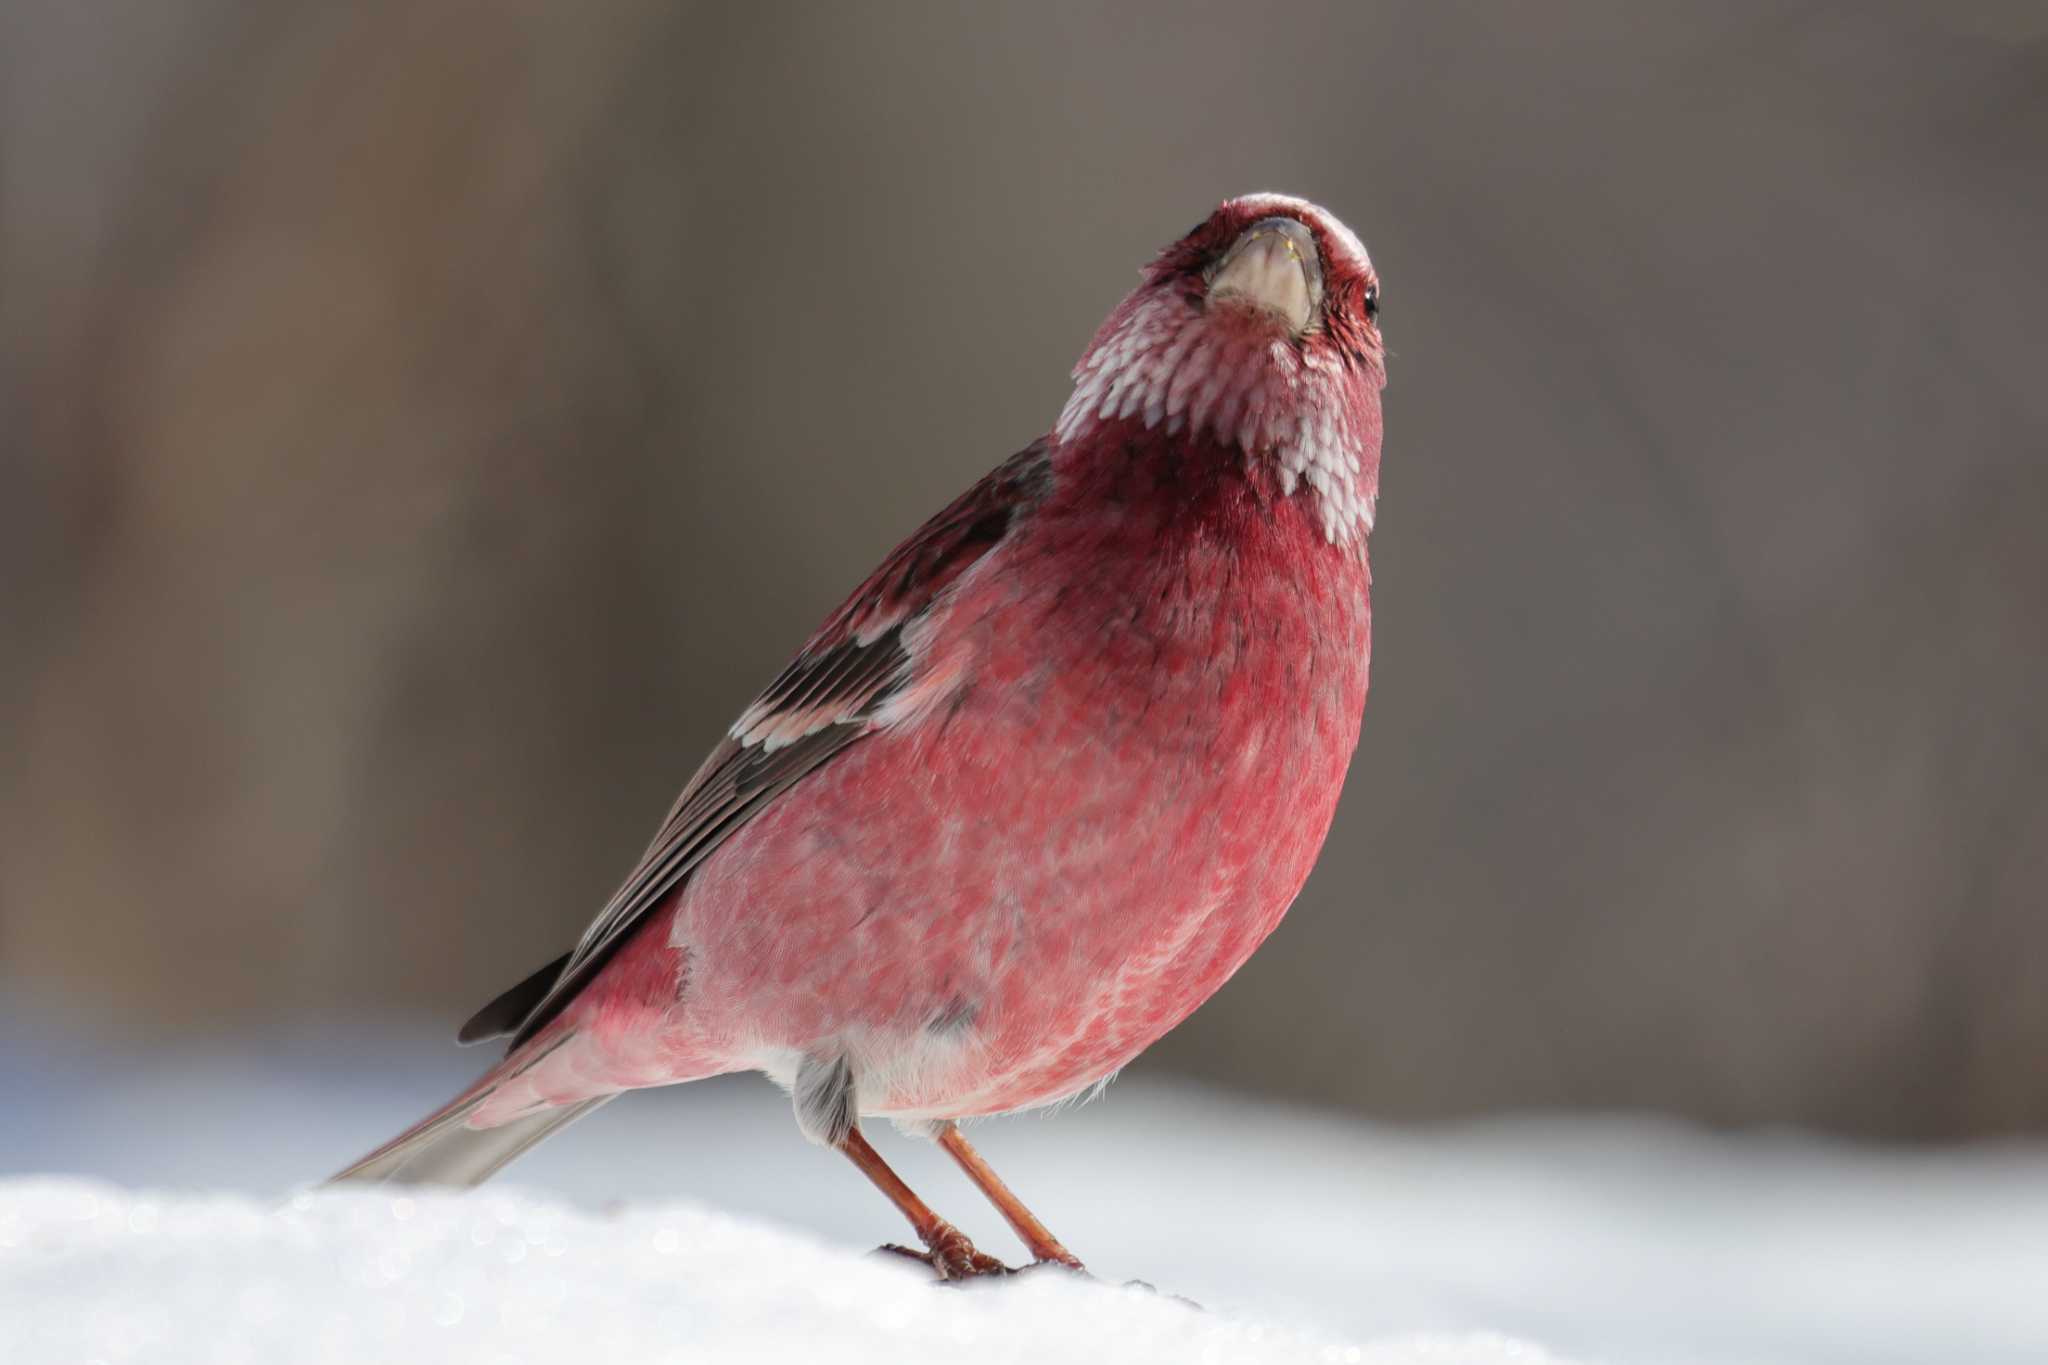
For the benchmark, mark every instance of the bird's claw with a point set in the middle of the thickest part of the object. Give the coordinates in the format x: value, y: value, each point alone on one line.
x: 954, y: 1259
x: 1065, y: 1260
x: 951, y: 1257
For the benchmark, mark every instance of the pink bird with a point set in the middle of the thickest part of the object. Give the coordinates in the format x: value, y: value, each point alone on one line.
x: 1039, y: 786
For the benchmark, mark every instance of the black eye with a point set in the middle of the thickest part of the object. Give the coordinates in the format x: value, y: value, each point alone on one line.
x: 1372, y: 303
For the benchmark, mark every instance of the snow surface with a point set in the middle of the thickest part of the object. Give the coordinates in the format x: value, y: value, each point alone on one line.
x: 696, y: 1224
x: 89, y: 1272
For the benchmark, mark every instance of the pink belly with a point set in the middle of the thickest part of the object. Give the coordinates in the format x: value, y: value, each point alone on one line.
x: 1004, y: 902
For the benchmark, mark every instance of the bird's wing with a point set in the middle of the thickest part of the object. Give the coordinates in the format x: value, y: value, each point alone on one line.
x: 833, y: 693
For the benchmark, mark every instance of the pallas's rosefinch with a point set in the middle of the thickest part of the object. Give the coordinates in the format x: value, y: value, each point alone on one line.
x: 1040, y: 785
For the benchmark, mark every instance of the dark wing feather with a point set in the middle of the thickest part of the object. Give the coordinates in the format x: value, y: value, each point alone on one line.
x: 828, y: 698
x: 504, y: 1014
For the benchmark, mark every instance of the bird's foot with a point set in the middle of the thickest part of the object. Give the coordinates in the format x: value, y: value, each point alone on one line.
x: 1061, y: 1260
x: 951, y: 1256
x: 959, y: 1260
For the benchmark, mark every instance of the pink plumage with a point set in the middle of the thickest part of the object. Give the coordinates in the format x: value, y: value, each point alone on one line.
x: 1046, y: 779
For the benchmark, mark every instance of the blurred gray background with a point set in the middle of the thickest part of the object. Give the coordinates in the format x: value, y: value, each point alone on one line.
x: 423, y: 426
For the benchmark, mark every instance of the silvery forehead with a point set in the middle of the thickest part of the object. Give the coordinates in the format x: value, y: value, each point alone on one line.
x: 1259, y: 329
x: 1341, y: 238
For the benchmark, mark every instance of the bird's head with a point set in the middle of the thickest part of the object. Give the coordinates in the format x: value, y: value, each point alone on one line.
x: 1257, y: 331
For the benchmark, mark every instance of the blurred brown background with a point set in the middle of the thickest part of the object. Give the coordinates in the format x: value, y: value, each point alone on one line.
x: 423, y: 426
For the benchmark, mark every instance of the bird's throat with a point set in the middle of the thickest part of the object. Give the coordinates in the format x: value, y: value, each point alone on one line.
x: 1228, y: 379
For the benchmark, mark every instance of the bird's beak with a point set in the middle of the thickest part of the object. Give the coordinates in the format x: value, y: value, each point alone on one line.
x: 1272, y: 265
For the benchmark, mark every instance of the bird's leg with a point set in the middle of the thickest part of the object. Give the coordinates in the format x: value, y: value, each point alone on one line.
x: 947, y: 1249
x: 1044, y: 1246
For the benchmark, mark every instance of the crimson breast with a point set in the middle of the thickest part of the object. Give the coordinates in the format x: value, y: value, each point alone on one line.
x: 1007, y: 898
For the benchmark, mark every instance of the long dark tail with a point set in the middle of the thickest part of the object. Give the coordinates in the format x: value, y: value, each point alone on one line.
x: 442, y: 1149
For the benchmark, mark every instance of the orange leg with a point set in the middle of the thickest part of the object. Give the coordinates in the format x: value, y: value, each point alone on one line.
x: 947, y: 1249
x: 1044, y: 1246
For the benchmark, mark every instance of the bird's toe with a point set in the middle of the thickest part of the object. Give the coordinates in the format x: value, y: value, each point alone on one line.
x: 951, y: 1256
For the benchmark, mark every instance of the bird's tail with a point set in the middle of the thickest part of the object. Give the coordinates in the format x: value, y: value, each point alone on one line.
x: 442, y: 1149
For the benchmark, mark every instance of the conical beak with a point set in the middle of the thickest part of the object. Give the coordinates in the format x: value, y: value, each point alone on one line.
x: 1273, y: 265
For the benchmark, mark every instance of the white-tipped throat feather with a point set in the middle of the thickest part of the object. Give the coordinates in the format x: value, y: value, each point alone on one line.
x: 1181, y: 363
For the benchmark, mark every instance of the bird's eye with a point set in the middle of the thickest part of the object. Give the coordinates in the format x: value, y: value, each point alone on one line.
x: 1372, y: 303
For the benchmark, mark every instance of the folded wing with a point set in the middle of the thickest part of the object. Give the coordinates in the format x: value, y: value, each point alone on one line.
x: 831, y: 696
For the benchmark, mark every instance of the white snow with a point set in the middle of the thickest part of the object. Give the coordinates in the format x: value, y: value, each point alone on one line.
x: 91, y: 1273
x: 696, y: 1224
